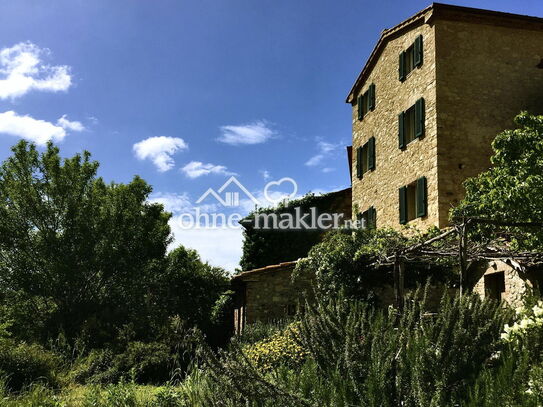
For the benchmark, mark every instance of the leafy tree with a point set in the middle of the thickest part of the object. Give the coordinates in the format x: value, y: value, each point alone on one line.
x: 76, y: 255
x: 190, y: 288
x: 512, y: 189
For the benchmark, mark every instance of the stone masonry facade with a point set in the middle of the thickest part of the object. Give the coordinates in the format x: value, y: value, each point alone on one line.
x: 479, y: 69
x: 268, y: 294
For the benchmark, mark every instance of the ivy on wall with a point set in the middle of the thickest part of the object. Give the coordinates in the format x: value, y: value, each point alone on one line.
x: 266, y: 247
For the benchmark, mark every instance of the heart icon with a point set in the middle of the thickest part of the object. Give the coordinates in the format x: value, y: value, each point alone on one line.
x: 280, y: 197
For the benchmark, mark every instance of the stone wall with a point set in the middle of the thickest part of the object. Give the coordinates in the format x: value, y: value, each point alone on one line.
x: 269, y: 293
x: 394, y: 167
x: 517, y: 283
x: 486, y: 74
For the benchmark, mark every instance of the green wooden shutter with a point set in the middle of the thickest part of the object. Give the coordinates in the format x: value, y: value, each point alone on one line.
x: 359, y: 162
x: 419, y: 118
x: 403, y: 205
x: 372, y: 218
x: 371, y: 153
x: 371, y: 97
x: 418, y: 51
x: 401, y: 69
x: 401, y: 132
x: 421, y: 197
x: 360, y: 107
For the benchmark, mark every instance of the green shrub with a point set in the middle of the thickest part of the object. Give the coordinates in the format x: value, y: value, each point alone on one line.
x: 24, y: 364
x: 359, y: 355
x: 145, y: 362
x: 280, y: 349
x: 142, y: 362
x: 94, y: 368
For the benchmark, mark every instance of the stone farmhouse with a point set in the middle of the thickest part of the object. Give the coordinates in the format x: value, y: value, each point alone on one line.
x: 435, y: 91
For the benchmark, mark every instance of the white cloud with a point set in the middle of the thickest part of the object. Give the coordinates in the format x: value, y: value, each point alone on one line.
x: 252, y: 133
x: 23, y: 70
x: 315, y: 160
x: 70, y: 125
x: 325, y: 150
x: 175, y: 203
x: 218, y: 246
x: 265, y: 174
x: 196, y: 169
x: 35, y: 130
x: 159, y: 150
x: 328, y: 169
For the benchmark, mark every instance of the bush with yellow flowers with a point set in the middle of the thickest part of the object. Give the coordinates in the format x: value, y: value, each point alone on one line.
x: 280, y: 349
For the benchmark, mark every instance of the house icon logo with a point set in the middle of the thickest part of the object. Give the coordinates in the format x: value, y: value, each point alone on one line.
x: 229, y: 199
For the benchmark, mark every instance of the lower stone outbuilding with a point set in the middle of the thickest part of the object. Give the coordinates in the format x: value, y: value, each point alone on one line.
x: 268, y: 293
x: 507, y: 280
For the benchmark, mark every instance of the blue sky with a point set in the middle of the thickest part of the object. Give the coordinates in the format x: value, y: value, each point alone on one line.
x: 187, y: 93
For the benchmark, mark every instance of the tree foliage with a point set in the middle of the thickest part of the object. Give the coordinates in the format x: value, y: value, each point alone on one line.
x: 85, y: 258
x: 512, y: 189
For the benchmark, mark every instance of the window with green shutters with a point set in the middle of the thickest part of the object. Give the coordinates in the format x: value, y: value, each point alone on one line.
x: 410, y: 58
x: 365, y: 158
x: 368, y: 218
x: 366, y: 102
x: 411, y: 124
x: 421, y: 190
x: 359, y: 162
x: 413, y: 200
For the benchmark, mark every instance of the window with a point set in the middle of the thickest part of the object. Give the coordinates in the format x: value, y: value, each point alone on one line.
x: 368, y: 218
x: 411, y: 124
x: 365, y: 158
x: 411, y: 58
x: 413, y: 201
x: 494, y: 285
x: 366, y: 102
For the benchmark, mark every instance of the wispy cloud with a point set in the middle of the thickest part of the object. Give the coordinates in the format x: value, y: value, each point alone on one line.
x: 252, y: 133
x: 172, y: 202
x: 35, y: 130
x: 325, y: 150
x: 196, y: 169
x: 265, y: 174
x: 159, y: 150
x: 70, y: 125
x: 23, y: 70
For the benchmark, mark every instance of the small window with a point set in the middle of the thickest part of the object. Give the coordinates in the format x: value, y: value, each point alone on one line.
x: 368, y: 218
x: 365, y: 158
x: 411, y: 58
x: 366, y: 102
x: 413, y: 201
x: 495, y: 285
x: 411, y: 123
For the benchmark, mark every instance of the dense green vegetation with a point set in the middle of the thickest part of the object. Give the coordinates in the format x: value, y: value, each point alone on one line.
x: 263, y: 247
x: 88, y: 292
